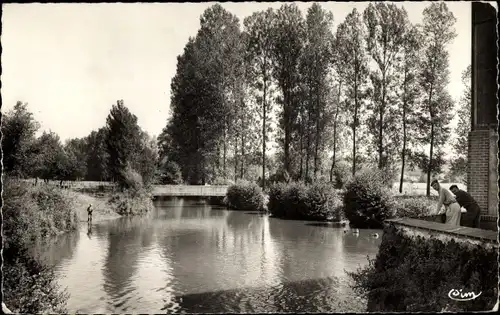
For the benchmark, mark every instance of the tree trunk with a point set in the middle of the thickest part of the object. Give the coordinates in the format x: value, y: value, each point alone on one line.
x: 381, y: 127
x: 334, y: 147
x: 428, y: 192
x: 287, y: 122
x: 308, y: 146
x: 428, y: 189
x: 316, y: 145
x: 224, y: 151
x: 264, y: 129
x: 301, y: 139
x: 242, y: 152
x: 235, y: 158
x: 403, y: 153
x: 335, y: 132
x: 355, y: 121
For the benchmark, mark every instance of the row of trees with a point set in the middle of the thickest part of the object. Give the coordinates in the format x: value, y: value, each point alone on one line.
x: 374, y: 92
x: 103, y: 155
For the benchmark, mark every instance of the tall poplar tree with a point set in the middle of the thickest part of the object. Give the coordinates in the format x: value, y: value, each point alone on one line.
x: 438, y: 32
x: 259, y: 28
x: 351, y: 44
x: 385, y: 24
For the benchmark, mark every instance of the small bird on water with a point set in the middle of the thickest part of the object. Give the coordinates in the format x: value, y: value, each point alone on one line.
x: 375, y: 235
x: 356, y: 231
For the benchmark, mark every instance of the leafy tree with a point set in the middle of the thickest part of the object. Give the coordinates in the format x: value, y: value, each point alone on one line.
x: 351, y: 51
x: 289, y: 38
x: 145, y: 158
x: 195, y: 127
x: 170, y: 173
x: 259, y: 29
x: 220, y: 41
x: 123, y: 135
x: 338, y: 115
x: 409, y: 91
x: 316, y: 63
x: 459, y: 162
x: 246, y: 128
x: 76, y: 150
x: 50, y: 160
x: 97, y: 156
x: 385, y: 24
x: 18, y: 134
x: 438, y: 32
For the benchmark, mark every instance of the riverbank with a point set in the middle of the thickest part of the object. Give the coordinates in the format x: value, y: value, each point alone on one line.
x: 102, y: 209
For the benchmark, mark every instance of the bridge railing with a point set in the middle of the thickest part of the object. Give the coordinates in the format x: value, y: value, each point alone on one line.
x: 190, y: 190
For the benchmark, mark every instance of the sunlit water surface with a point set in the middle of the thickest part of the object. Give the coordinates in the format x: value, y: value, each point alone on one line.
x: 188, y: 256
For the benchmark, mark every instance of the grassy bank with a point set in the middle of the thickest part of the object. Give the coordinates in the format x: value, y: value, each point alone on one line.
x: 103, y: 210
x: 32, y: 214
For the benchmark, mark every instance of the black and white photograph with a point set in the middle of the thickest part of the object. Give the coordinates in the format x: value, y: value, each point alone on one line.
x: 249, y: 157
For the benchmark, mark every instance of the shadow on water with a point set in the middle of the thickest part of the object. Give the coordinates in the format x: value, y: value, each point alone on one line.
x: 327, y: 224
x: 259, y: 213
x: 58, y: 249
x: 307, y: 296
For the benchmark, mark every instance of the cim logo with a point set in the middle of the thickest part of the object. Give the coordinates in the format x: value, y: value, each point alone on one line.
x: 458, y: 295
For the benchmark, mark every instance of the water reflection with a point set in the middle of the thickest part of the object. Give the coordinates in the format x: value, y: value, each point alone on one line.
x: 188, y: 256
x: 127, y: 239
x: 58, y: 250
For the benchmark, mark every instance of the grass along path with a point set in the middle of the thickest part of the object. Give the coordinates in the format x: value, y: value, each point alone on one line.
x: 102, y: 210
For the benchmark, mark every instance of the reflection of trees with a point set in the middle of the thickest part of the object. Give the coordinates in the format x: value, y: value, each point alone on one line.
x: 127, y: 238
x: 308, y: 251
x: 358, y: 247
x: 58, y: 249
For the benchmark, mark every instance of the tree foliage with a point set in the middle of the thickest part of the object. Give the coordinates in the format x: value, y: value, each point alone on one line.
x: 385, y: 23
x: 351, y: 43
x: 460, y: 145
x: 259, y: 29
x: 123, y: 139
x: 438, y: 32
x: 18, y: 134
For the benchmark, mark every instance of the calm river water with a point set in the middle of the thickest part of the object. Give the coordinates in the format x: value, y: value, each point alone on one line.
x: 191, y: 257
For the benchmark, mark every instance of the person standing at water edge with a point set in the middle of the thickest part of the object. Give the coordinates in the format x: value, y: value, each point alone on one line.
x: 89, y: 212
x: 466, y: 201
x: 451, y: 205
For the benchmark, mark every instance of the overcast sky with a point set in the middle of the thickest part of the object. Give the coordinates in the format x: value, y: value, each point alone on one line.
x: 71, y: 62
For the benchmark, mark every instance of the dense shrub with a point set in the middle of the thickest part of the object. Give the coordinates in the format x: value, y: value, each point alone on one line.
x: 416, y: 274
x: 245, y: 196
x: 341, y: 176
x: 277, y: 199
x: 30, y: 214
x: 132, y: 202
x: 170, y: 173
x: 322, y: 202
x: 29, y: 286
x: 281, y: 176
x: 298, y: 201
x: 35, y: 212
x: 131, y: 180
x: 367, y: 199
x: 413, y: 206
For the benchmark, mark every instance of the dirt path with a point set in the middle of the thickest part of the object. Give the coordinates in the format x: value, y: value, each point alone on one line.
x: 102, y: 211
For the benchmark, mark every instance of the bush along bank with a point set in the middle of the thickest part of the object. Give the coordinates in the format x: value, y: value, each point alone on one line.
x: 133, y: 197
x: 30, y: 215
x: 413, y: 274
x: 368, y: 201
x: 245, y: 196
x: 297, y: 201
